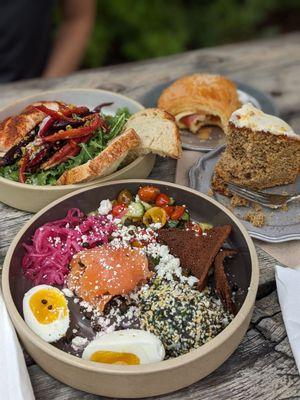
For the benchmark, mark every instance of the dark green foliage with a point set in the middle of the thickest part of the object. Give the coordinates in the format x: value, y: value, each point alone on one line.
x: 129, y: 30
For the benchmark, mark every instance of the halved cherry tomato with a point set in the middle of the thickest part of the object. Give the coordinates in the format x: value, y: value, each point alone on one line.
x: 193, y: 226
x: 169, y: 210
x: 148, y: 193
x: 137, y: 244
x: 125, y: 197
x: 119, y: 210
x: 162, y: 200
x: 155, y: 215
x: 178, y: 212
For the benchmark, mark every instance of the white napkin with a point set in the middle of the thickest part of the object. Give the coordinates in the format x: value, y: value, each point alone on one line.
x: 14, y: 379
x: 288, y: 284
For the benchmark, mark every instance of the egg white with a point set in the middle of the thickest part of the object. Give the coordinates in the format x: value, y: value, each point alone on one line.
x: 145, y: 345
x: 49, y: 332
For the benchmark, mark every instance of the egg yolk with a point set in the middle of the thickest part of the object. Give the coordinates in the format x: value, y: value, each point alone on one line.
x: 48, y: 306
x: 113, y: 357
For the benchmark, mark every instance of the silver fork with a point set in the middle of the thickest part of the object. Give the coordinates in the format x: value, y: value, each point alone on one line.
x: 266, y: 199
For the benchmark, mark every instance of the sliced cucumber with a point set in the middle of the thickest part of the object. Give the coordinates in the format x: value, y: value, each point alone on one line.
x: 185, y: 217
x: 146, y: 206
x: 135, y: 210
x: 172, y: 223
x: 205, y: 226
x: 172, y: 201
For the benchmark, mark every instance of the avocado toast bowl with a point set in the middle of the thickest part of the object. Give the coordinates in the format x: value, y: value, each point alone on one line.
x: 134, y: 381
x: 32, y: 197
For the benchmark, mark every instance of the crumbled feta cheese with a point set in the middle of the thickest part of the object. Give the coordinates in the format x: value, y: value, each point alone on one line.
x: 192, y: 280
x: 67, y: 292
x: 79, y: 343
x: 105, y: 207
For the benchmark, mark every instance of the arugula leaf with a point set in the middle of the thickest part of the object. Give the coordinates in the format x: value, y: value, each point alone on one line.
x: 10, y: 172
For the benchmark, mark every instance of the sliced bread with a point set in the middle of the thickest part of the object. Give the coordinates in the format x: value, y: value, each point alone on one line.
x: 104, y: 163
x: 157, y: 131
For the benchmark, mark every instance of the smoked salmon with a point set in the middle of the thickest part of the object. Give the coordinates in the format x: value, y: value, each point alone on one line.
x: 103, y: 272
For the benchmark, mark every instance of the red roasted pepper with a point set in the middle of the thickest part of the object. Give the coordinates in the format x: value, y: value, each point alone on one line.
x: 70, y: 149
x: 22, y: 169
x: 54, y: 114
x: 94, y: 124
x: 45, y: 125
x: 64, y: 113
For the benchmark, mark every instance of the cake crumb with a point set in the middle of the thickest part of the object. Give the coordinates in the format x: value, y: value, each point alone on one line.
x: 257, y: 218
x: 284, y: 207
x: 210, y: 192
x: 257, y: 207
x: 237, y: 201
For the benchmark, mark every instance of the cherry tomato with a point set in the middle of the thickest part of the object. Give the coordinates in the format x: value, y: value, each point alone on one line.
x: 125, y: 197
x: 169, y: 210
x: 137, y: 244
x: 162, y: 200
x: 192, y: 226
x: 155, y: 215
x: 119, y: 210
x: 178, y: 212
x: 148, y: 193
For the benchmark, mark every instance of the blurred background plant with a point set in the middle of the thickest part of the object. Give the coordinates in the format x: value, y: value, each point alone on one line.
x: 130, y: 30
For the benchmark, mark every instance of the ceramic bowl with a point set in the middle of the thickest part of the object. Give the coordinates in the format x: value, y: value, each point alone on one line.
x: 149, y: 379
x: 33, y: 198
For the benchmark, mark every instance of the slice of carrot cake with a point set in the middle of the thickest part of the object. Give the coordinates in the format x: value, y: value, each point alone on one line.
x: 262, y: 151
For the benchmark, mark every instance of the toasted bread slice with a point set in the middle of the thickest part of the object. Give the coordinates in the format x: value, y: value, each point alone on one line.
x: 14, y: 128
x: 104, y: 163
x: 158, y: 132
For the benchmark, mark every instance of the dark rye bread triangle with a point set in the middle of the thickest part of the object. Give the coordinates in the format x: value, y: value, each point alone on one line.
x: 222, y: 286
x: 196, y: 253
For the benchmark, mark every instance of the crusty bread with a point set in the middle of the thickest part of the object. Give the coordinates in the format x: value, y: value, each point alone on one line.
x: 157, y: 131
x: 14, y: 128
x: 104, y: 163
x: 208, y: 99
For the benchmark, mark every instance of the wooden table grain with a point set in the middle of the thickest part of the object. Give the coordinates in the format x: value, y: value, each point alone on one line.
x: 262, y: 367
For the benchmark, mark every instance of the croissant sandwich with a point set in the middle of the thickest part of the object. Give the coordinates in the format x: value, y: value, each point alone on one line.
x: 199, y: 100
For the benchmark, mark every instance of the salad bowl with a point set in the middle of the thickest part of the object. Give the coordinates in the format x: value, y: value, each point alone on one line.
x: 135, y: 381
x: 33, y: 197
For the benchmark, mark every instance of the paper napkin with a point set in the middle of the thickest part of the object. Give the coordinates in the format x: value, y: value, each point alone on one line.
x: 14, y: 379
x: 288, y: 288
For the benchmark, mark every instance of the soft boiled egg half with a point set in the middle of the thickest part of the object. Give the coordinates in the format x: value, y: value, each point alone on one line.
x: 125, y: 347
x: 46, y: 312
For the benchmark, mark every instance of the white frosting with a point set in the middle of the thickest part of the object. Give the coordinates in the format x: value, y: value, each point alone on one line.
x: 250, y: 117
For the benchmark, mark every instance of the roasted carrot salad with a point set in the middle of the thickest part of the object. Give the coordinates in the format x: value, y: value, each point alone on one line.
x: 135, y: 281
x: 63, y: 137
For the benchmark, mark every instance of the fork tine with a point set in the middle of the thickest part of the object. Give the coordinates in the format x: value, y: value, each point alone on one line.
x: 256, y: 194
x: 249, y: 195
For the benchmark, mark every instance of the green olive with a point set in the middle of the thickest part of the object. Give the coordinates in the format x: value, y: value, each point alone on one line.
x: 125, y: 197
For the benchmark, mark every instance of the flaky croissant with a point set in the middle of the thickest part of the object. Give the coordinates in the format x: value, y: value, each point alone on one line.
x: 200, y: 99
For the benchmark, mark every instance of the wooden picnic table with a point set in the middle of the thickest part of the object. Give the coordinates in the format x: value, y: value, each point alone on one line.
x: 263, y: 366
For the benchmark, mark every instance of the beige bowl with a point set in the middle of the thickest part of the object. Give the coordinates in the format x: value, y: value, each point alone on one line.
x: 33, y: 198
x: 141, y: 380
